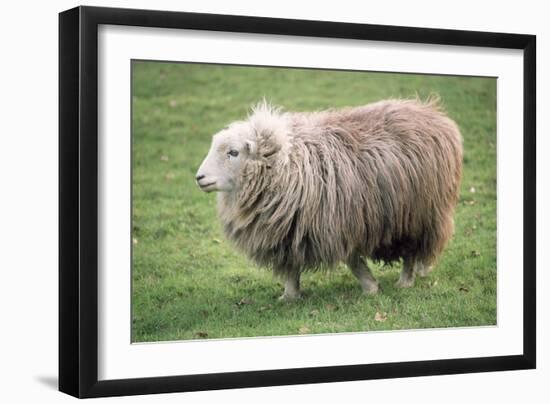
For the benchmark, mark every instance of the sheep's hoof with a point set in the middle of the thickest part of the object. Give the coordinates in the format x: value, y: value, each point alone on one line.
x: 371, y: 289
x: 404, y: 283
x: 423, y: 270
x: 290, y: 297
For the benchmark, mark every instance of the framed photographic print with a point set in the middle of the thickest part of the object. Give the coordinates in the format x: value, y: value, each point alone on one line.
x: 251, y: 201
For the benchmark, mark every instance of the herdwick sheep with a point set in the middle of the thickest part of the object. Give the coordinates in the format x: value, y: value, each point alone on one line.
x: 307, y: 190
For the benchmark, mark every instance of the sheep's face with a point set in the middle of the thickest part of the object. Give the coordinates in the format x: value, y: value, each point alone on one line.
x: 259, y: 141
x: 230, y: 149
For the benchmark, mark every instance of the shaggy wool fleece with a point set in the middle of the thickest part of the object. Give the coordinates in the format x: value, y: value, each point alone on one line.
x: 379, y: 181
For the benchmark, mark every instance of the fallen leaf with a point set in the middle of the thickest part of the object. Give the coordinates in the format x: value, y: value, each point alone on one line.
x: 163, y: 158
x: 463, y: 289
x: 134, y: 241
x: 264, y: 308
x: 215, y: 240
x: 470, y: 202
x: 173, y: 103
x: 331, y: 307
x: 380, y: 316
x: 314, y: 312
x: 472, y: 190
x: 304, y: 330
x: 433, y: 284
x: 475, y: 253
x: 244, y: 301
x: 201, y: 334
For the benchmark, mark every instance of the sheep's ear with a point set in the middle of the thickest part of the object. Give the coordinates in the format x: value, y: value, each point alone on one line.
x: 269, y: 146
x: 251, y: 147
x: 271, y: 128
x: 265, y: 147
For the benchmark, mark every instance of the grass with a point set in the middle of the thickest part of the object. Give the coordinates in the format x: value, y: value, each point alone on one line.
x: 189, y: 283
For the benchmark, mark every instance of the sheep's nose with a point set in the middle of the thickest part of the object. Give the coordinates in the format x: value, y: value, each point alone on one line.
x: 199, y: 177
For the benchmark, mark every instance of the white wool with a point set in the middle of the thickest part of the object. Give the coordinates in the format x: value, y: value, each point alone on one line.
x: 269, y: 121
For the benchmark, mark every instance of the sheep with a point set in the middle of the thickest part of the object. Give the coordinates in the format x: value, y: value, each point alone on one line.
x: 301, y: 191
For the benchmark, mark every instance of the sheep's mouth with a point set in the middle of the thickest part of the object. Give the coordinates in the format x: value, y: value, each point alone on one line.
x: 207, y: 187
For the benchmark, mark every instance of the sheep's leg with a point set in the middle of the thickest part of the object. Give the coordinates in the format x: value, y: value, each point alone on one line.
x: 422, y: 269
x: 363, y: 274
x: 406, y: 279
x: 292, y: 286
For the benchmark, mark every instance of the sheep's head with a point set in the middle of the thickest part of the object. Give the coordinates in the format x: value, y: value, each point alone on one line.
x: 256, y: 141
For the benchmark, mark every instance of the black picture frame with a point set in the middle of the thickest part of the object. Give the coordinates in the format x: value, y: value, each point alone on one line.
x: 78, y: 201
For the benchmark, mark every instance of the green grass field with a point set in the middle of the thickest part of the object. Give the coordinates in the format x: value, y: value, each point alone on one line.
x: 187, y: 280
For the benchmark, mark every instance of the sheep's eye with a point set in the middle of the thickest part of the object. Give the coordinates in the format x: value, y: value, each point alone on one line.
x: 233, y: 153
